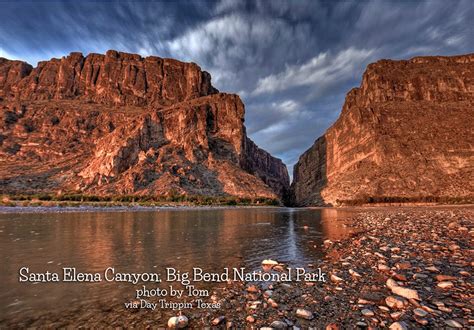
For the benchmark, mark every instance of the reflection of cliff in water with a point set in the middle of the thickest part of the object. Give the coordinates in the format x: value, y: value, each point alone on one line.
x: 302, y: 232
x: 197, y: 238
x: 149, y: 242
x: 332, y: 224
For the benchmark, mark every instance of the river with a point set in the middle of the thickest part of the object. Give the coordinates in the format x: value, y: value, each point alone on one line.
x: 148, y: 241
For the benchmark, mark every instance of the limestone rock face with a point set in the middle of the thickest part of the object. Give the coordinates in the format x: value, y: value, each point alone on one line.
x: 405, y: 133
x: 10, y: 73
x: 115, y: 78
x: 122, y: 124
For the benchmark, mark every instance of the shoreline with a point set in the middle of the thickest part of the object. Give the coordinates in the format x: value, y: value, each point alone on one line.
x: 124, y: 208
x: 90, y: 207
x: 401, y: 268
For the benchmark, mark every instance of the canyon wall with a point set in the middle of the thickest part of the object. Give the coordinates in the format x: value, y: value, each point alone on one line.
x: 406, y: 134
x: 120, y: 124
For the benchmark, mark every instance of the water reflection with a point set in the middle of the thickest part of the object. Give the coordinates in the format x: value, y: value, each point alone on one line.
x: 149, y: 241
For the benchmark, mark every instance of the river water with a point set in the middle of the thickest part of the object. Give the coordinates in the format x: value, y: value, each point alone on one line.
x: 148, y: 241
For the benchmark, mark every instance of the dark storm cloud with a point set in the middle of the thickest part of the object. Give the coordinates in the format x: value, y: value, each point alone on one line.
x: 35, y: 29
x: 291, y: 61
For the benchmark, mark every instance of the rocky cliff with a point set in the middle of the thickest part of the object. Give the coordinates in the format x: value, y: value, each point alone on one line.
x: 406, y: 134
x: 122, y: 124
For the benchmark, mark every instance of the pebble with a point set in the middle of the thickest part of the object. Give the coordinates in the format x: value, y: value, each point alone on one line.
x: 395, y: 315
x: 453, y: 324
x: 432, y: 269
x: 429, y: 309
x: 278, y: 325
x: 178, y: 322
x: 391, y: 283
x: 395, y: 302
x: 414, y: 303
x: 454, y: 247
x: 420, y: 312
x: 380, y: 255
x: 336, y: 279
x: 405, y: 292
x: 328, y: 242
x: 383, y: 267
x: 398, y: 326
x: 441, y: 278
x: 273, y: 303
x: 400, y: 277
x: 438, y: 303
x: 367, y: 312
x: 304, y: 313
x: 403, y: 265
x: 268, y: 264
x: 445, y: 309
x: 255, y: 304
x: 445, y: 285
x: 252, y: 289
x: 279, y: 268
x: 250, y: 319
x: 362, y: 301
x: 422, y: 321
x: 218, y: 320
x: 353, y: 273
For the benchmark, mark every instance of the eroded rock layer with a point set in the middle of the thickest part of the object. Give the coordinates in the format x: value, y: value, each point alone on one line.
x: 122, y: 124
x: 405, y: 134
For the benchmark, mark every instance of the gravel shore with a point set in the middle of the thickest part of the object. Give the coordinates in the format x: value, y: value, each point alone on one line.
x: 124, y: 208
x: 401, y: 269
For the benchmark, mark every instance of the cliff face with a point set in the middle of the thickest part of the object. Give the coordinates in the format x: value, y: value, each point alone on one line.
x: 407, y: 132
x: 122, y: 124
x: 114, y: 78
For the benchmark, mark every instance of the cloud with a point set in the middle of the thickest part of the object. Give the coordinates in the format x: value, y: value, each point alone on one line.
x: 454, y: 40
x: 7, y: 55
x: 290, y: 135
x: 266, y: 117
x: 37, y: 30
x: 226, y: 6
x: 241, y: 44
x: 321, y: 72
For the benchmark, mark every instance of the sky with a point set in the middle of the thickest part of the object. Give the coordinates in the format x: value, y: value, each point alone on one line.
x: 291, y: 62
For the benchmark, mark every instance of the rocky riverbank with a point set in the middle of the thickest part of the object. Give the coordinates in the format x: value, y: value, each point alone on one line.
x: 402, y: 269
